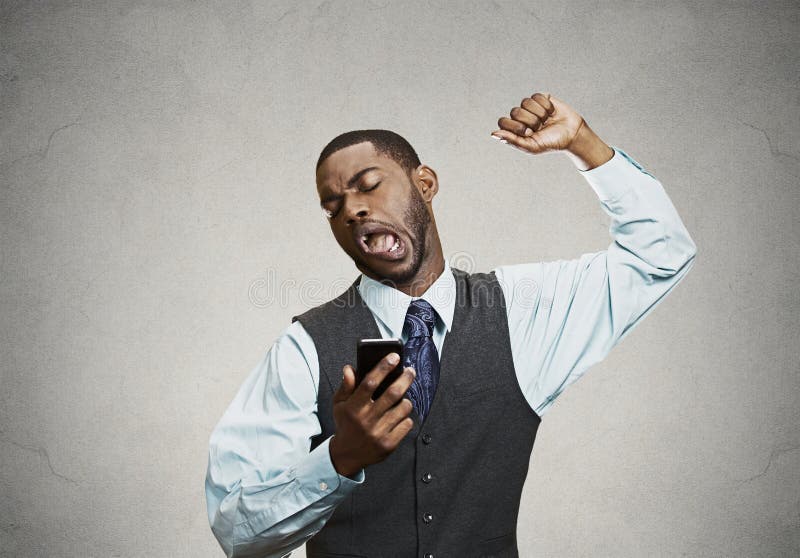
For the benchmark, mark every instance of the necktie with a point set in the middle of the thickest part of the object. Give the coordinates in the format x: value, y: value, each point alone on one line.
x: 420, y: 353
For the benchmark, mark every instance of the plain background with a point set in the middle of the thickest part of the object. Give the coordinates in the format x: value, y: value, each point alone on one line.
x: 157, y: 180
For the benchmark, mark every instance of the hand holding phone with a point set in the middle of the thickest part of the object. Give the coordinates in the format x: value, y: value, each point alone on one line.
x: 367, y: 429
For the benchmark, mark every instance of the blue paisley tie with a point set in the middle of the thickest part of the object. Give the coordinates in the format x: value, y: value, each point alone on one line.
x: 420, y: 353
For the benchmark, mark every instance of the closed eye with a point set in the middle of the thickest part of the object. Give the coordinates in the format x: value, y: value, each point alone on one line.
x: 370, y: 188
x: 330, y: 213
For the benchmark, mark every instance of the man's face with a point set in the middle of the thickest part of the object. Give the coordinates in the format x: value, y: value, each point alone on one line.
x: 376, y: 213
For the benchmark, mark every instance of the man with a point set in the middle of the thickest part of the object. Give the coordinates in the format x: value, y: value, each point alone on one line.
x: 303, y: 454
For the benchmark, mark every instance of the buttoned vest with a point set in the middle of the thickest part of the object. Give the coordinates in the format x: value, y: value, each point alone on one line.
x: 452, y: 487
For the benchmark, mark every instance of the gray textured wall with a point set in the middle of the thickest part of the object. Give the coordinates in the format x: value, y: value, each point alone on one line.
x: 156, y: 171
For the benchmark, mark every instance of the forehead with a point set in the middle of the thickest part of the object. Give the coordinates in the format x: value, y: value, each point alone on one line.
x: 340, y: 166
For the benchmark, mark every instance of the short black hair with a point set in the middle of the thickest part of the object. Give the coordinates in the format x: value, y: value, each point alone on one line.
x: 386, y: 142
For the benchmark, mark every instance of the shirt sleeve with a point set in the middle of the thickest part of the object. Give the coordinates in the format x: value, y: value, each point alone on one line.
x: 566, y: 315
x: 266, y: 492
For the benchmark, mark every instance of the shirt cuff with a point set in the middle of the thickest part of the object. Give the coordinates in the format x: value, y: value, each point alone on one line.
x: 317, y: 474
x: 614, y: 178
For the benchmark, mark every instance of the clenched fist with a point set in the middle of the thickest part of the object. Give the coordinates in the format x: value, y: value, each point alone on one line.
x: 543, y: 123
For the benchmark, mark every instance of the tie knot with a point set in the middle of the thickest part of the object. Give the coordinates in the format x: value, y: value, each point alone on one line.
x: 420, y: 319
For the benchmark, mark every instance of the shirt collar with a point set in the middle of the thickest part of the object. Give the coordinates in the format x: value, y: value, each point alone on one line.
x: 390, y: 305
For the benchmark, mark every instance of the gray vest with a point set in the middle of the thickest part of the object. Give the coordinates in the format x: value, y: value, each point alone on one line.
x: 452, y: 487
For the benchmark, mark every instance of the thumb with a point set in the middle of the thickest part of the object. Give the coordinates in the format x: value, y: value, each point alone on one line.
x: 512, y: 139
x: 348, y: 384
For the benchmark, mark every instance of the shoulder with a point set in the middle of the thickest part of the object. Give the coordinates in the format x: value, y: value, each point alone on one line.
x: 293, y: 346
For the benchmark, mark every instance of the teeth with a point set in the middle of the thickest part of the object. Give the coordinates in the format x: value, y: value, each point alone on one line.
x: 365, y: 239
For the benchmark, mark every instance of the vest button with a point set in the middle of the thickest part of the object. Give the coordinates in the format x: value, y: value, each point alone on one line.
x: 427, y: 477
x: 429, y: 556
x: 426, y: 438
x: 427, y: 518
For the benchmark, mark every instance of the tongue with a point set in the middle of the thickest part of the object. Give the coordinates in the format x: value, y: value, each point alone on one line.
x: 380, y: 242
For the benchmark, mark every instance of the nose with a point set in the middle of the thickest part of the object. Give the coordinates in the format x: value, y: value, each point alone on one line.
x: 355, y: 208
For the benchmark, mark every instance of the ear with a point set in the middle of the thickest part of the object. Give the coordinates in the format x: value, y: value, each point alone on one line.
x: 426, y: 182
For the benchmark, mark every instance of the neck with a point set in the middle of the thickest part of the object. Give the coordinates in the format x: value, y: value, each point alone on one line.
x: 428, y: 273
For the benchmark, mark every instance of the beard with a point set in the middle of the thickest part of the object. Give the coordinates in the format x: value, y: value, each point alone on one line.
x: 417, y: 221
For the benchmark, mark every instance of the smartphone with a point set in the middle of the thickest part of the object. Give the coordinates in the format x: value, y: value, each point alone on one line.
x: 369, y: 353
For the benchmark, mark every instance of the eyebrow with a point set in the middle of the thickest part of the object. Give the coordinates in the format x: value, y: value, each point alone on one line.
x: 350, y: 184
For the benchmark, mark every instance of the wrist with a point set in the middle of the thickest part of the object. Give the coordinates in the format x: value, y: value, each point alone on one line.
x: 587, y: 150
x: 342, y: 465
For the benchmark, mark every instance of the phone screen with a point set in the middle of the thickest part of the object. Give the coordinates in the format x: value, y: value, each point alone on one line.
x: 369, y: 354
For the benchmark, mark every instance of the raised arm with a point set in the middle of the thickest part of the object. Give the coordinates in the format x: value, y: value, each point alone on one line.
x: 564, y: 316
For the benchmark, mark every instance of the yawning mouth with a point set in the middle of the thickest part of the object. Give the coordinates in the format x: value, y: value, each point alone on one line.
x: 379, y: 241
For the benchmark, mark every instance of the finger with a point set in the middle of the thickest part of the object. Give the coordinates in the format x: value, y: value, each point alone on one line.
x: 394, y: 392
x: 511, y: 125
x: 532, y: 106
x: 521, y: 143
x: 348, y: 384
x: 394, y: 436
x: 526, y: 117
x: 372, y: 380
x: 544, y: 99
x: 394, y: 415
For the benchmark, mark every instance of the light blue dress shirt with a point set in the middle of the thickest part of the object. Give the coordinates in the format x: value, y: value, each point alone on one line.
x: 267, y: 493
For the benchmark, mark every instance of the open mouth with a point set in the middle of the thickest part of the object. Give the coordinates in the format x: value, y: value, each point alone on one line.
x: 381, y: 243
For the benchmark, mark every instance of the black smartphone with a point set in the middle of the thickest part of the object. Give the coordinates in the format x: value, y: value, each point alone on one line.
x: 369, y: 353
